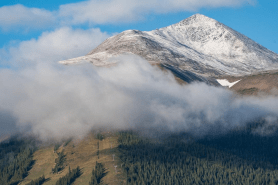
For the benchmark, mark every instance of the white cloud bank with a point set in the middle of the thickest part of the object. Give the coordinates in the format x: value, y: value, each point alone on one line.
x: 60, y: 44
x: 103, y: 12
x: 64, y: 101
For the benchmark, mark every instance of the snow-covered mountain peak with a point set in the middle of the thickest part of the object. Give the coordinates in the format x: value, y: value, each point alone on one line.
x: 214, y: 39
x: 196, y: 19
x: 198, y: 28
x: 198, y: 44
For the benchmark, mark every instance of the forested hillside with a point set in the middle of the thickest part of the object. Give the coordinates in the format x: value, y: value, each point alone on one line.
x: 15, y: 160
x: 237, y: 158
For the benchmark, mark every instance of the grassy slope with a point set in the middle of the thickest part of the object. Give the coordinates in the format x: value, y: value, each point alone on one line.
x: 81, y: 153
x: 255, y: 84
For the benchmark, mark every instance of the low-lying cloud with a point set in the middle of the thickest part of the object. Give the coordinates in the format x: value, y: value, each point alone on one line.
x: 57, y: 101
x: 60, y: 44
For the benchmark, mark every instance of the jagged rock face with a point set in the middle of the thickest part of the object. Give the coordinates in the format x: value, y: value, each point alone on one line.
x: 197, y: 44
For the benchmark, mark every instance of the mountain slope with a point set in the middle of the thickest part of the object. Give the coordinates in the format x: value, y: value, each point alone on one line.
x: 82, y: 153
x: 265, y: 83
x: 197, y: 44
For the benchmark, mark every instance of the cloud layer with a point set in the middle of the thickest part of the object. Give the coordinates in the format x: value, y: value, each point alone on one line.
x: 68, y: 101
x: 60, y: 44
x: 102, y: 12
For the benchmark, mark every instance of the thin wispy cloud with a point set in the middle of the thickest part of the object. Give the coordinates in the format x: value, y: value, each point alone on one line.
x: 102, y: 12
x: 19, y: 16
x: 115, y: 11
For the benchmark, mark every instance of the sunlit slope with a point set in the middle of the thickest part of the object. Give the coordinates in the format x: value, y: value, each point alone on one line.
x: 81, y: 153
x: 256, y: 84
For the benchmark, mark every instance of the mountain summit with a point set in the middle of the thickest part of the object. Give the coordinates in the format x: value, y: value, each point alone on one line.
x: 198, y: 44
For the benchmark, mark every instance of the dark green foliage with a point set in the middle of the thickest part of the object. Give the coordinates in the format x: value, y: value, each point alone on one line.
x: 99, y: 136
x: 98, y: 154
x: 70, y: 177
x: 59, y: 162
x: 38, y: 181
x: 67, y: 142
x: 16, y: 160
x: 231, y: 159
x: 248, y: 91
x: 56, y: 147
x: 98, y: 150
x: 97, y: 174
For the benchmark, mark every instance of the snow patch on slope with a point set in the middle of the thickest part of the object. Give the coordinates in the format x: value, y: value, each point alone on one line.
x: 226, y: 83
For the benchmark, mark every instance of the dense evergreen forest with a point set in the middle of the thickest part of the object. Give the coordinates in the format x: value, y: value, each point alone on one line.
x: 15, y: 160
x: 236, y: 158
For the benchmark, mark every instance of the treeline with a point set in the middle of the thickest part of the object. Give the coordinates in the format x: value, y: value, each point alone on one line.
x: 100, y: 136
x: 179, y: 160
x: 59, y: 162
x: 38, y: 181
x: 97, y: 174
x: 16, y: 159
x: 70, y: 177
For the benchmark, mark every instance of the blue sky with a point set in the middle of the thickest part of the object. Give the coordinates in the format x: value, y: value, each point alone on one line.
x: 44, y: 30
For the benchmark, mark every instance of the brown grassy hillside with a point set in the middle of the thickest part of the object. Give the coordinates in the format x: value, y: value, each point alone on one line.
x: 81, y: 153
x: 264, y: 83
